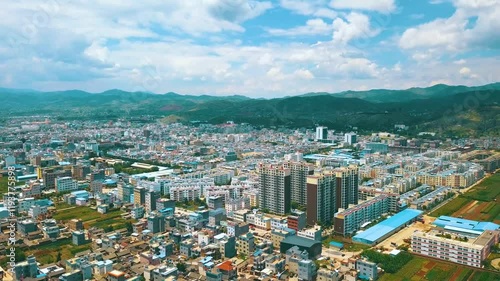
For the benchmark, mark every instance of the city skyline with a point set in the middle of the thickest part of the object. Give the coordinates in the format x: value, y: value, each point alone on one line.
x: 253, y: 48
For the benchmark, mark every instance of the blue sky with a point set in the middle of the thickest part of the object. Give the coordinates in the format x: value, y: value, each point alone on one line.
x: 253, y: 48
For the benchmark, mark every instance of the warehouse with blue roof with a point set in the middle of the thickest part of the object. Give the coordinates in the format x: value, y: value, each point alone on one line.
x: 464, y: 227
x: 388, y: 227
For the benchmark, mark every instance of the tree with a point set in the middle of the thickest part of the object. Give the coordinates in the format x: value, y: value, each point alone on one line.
x: 181, y: 266
x: 129, y: 227
x: 58, y: 259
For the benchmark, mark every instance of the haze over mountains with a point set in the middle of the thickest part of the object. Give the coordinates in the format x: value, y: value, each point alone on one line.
x: 450, y: 109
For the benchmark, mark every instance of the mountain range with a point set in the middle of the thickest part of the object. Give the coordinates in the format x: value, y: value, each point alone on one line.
x: 451, y: 110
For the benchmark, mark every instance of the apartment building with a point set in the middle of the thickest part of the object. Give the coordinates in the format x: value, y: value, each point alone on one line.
x: 64, y: 184
x: 347, y: 181
x: 275, y: 188
x: 350, y: 220
x: 298, y: 175
x: 321, y: 198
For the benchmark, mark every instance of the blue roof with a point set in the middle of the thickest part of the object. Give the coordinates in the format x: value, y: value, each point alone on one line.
x: 446, y: 221
x: 381, y: 229
x: 337, y: 244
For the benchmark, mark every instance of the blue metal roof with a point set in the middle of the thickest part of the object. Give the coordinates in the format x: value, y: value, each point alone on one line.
x: 444, y: 221
x: 381, y: 229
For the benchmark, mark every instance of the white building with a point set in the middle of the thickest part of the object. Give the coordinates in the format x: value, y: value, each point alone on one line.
x: 321, y: 133
x: 64, y: 184
x: 350, y: 138
x: 470, y: 253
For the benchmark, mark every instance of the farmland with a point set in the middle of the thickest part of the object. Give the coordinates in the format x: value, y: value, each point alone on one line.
x: 92, y: 218
x: 420, y: 269
x: 482, y: 202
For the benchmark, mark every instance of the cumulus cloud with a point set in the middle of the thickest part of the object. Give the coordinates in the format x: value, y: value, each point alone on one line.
x: 475, y: 24
x: 354, y: 26
x: 317, y: 8
x: 312, y: 27
x: 383, y: 6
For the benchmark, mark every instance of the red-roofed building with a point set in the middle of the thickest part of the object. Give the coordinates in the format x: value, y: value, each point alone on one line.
x: 228, y: 270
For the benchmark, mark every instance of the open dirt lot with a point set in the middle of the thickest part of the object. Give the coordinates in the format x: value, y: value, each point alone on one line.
x: 406, y: 233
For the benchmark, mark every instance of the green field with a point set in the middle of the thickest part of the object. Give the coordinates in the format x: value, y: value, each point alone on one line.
x: 450, y: 207
x: 486, y: 191
x: 420, y: 269
x: 4, y: 187
x: 48, y: 253
x: 92, y: 218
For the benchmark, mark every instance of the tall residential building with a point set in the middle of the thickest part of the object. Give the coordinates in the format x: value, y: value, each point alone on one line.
x: 321, y: 133
x: 274, y: 192
x: 298, y: 174
x: 347, y: 185
x: 321, y: 203
x: 150, y: 200
x: 139, y: 196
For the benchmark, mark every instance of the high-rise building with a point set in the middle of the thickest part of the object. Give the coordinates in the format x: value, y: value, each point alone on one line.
x: 347, y: 185
x: 298, y: 174
x: 139, y: 196
x: 274, y: 192
x: 150, y: 200
x: 321, y: 133
x: 125, y: 192
x: 321, y: 203
x: 350, y: 138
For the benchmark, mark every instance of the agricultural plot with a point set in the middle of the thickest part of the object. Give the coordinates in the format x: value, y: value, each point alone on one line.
x: 420, y: 269
x: 481, y: 203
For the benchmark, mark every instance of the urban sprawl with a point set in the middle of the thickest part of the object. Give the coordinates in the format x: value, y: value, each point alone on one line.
x: 130, y: 200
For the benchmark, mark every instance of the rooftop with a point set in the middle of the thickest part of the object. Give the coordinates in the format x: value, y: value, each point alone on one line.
x: 381, y: 229
x: 446, y: 221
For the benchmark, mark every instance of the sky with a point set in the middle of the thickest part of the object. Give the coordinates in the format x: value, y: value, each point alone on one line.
x: 253, y: 48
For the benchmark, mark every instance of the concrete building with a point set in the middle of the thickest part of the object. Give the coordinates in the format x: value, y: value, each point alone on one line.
x: 64, y: 184
x: 350, y: 138
x: 321, y: 198
x: 366, y: 270
x: 150, y: 200
x: 275, y: 188
x: 313, y: 233
x: 347, y: 185
x: 297, y: 220
x: 298, y: 179
x: 349, y: 221
x: 139, y: 196
x: 328, y: 275
x: 215, y: 202
x: 245, y: 244
x: 466, y: 252
x: 26, y: 269
x: 321, y: 133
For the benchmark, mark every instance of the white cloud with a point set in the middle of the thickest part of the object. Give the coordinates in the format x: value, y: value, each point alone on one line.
x: 383, y: 6
x: 316, y: 8
x: 465, y: 71
x: 355, y: 26
x: 312, y: 27
x: 475, y: 24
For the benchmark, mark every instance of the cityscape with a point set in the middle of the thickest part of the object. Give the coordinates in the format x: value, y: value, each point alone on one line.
x: 250, y: 140
x: 129, y: 200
